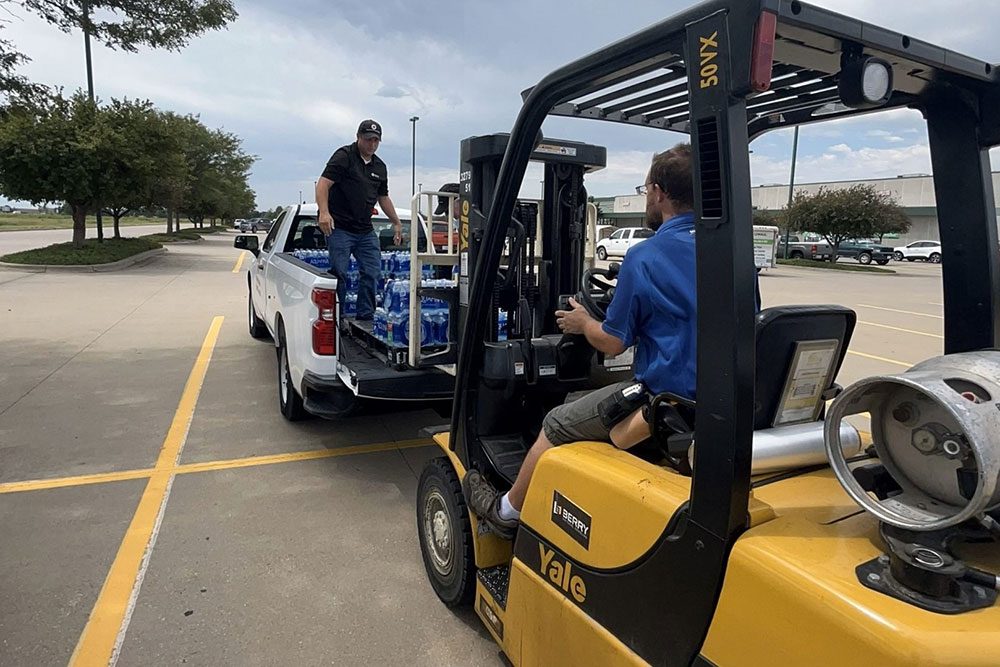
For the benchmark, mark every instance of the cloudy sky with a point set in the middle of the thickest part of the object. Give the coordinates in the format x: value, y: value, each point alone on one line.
x: 293, y: 79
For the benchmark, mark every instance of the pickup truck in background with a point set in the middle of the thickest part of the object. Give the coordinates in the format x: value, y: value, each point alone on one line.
x: 800, y: 249
x: 322, y: 370
x: 865, y: 251
x: 622, y: 241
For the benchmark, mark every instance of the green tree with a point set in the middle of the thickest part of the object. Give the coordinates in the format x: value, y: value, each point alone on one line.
x: 118, y: 24
x: 140, y: 139
x: 859, y: 211
x: 217, y: 172
x: 55, y: 149
x: 897, y: 223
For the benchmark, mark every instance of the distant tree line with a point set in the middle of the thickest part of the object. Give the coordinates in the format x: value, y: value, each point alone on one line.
x: 125, y: 154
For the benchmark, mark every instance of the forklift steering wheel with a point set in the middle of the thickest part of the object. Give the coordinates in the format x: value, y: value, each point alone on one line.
x: 597, y: 305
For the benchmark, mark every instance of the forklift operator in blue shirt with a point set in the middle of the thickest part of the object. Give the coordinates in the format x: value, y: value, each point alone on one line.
x: 653, y: 308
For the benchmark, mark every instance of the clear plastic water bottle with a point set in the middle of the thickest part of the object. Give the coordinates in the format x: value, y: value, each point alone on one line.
x: 502, y: 325
x: 379, y: 324
x: 427, y: 328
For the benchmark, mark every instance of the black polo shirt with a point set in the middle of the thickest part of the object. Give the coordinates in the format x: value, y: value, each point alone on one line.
x: 356, y: 188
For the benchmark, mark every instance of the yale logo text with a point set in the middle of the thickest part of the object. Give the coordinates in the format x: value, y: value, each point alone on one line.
x: 561, y: 574
x: 709, y: 51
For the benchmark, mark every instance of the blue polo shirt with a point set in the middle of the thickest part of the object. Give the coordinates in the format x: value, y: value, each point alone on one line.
x: 654, y: 308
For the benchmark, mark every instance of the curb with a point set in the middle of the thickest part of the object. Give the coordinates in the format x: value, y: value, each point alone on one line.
x: 837, y: 271
x: 85, y: 268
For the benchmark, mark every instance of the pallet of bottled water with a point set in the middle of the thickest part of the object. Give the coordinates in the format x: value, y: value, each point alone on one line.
x: 318, y: 258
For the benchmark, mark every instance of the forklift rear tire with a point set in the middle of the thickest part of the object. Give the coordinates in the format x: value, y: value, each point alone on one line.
x: 257, y: 328
x: 445, y: 533
x: 289, y: 401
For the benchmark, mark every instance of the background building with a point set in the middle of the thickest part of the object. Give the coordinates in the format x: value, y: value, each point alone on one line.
x: 914, y: 192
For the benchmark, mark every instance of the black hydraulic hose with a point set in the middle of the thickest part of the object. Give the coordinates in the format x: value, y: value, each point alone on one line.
x: 982, y: 578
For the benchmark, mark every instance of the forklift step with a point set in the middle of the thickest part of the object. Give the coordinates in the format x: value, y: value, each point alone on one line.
x: 495, y: 580
x: 506, y: 453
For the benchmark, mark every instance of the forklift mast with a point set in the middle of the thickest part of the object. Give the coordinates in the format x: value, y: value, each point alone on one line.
x: 563, y: 223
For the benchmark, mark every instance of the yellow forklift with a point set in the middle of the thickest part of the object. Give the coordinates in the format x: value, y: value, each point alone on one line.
x: 757, y: 529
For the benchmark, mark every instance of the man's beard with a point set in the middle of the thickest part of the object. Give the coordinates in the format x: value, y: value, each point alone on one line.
x: 653, y: 219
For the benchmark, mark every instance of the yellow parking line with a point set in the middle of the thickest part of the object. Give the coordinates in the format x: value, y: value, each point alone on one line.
x: 101, y: 634
x: 79, y: 480
x: 904, y: 364
x: 905, y: 312
x: 909, y: 331
x: 239, y: 261
x: 300, y: 456
x: 209, y: 466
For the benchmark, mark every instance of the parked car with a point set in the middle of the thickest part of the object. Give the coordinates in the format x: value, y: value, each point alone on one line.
x: 622, y: 241
x: 865, y: 251
x: 928, y: 251
x: 238, y: 222
x: 255, y: 225
x: 801, y: 248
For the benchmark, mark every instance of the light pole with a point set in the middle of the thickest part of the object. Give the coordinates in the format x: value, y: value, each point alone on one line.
x: 85, y: 6
x: 413, y: 164
x: 300, y: 197
x: 791, y: 188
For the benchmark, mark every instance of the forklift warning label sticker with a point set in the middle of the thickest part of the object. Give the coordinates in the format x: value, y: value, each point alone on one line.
x: 556, y: 150
x: 486, y: 611
x: 573, y: 520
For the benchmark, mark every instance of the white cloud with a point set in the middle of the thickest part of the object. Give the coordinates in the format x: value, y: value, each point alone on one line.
x: 294, y: 79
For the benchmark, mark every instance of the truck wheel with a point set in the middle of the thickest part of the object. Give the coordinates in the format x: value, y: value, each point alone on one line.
x: 602, y: 254
x: 898, y: 256
x: 445, y: 533
x: 865, y: 258
x: 797, y: 254
x: 289, y: 401
x: 257, y: 328
x: 935, y: 258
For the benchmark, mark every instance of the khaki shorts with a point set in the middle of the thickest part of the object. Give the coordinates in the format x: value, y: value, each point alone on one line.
x: 580, y: 420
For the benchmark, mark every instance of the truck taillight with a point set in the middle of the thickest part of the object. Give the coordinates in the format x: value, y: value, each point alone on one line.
x: 815, y: 249
x: 324, y: 329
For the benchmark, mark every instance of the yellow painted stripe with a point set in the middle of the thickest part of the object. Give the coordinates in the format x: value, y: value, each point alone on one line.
x: 909, y: 331
x: 98, y: 639
x: 905, y: 312
x: 300, y: 456
x: 78, y: 480
x: 904, y: 364
x: 239, y: 261
x: 208, y: 466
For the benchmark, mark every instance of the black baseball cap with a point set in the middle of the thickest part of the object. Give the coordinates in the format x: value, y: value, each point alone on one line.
x: 370, y: 127
x: 443, y: 201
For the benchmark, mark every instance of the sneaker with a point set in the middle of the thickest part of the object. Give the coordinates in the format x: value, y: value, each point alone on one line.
x: 484, y: 500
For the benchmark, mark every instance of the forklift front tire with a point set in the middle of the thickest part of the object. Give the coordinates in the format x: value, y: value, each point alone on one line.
x: 445, y: 533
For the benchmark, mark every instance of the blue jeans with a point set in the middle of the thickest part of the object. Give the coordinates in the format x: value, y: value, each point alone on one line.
x: 342, y: 244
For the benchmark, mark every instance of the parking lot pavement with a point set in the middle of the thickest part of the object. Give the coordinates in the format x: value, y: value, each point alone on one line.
x: 900, y: 316
x: 311, y: 553
x: 156, y: 507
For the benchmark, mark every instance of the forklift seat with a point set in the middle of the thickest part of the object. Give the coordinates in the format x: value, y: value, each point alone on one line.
x: 778, y: 333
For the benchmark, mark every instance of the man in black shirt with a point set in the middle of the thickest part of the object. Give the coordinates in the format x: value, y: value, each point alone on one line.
x: 353, y: 181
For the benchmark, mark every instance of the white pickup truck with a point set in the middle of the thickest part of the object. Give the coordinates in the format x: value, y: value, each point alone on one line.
x: 321, y: 370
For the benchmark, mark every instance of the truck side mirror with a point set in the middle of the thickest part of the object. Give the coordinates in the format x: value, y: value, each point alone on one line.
x: 248, y: 242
